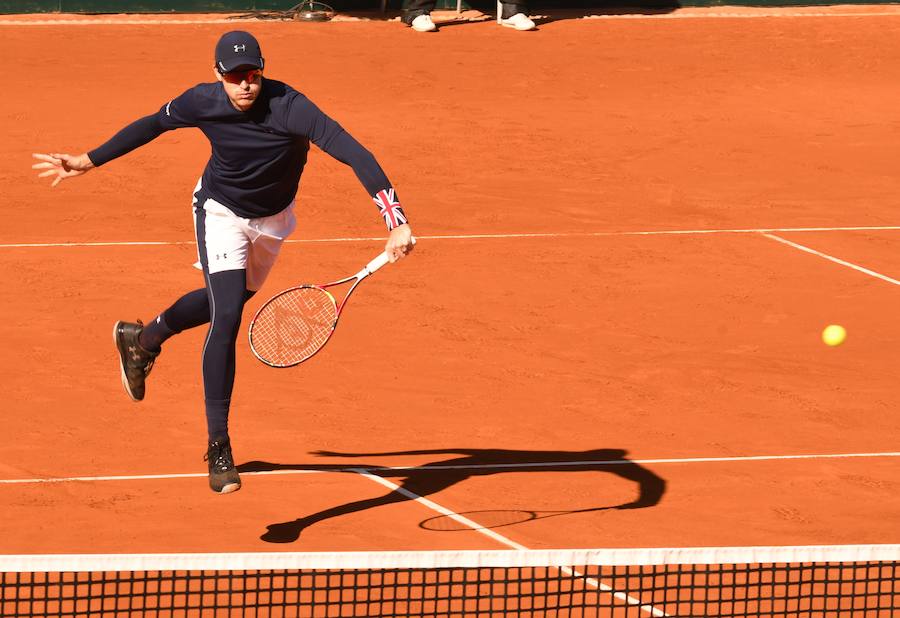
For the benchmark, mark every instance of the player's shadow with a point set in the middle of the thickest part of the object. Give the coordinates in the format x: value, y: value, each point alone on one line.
x: 663, y: 7
x: 431, y: 478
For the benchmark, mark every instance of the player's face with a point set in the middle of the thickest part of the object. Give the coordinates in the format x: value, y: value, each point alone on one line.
x: 242, y: 86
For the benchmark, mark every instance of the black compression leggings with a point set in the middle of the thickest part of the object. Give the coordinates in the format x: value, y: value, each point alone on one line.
x: 226, y: 293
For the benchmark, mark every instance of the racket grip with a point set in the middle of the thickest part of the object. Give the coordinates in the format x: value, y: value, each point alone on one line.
x: 380, y: 261
x: 377, y: 263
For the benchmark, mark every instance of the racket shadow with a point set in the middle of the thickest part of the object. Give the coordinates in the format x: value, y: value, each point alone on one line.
x: 488, y: 519
x: 456, y: 466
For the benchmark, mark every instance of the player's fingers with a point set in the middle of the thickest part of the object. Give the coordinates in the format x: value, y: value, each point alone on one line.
x: 42, y: 166
x: 47, y: 159
x: 56, y: 182
x: 47, y: 173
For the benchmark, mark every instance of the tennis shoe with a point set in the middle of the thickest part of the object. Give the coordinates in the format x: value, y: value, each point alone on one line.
x: 223, y: 476
x: 519, y: 21
x: 134, y: 361
x: 423, y: 23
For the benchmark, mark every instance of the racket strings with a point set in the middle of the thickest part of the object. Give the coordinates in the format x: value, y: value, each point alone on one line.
x: 294, y: 325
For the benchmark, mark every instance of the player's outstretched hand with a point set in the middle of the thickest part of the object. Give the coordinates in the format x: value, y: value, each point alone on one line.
x: 61, y: 166
x: 399, y: 242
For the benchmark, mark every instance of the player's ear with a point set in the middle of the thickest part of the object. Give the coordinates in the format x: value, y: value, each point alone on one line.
x: 217, y: 74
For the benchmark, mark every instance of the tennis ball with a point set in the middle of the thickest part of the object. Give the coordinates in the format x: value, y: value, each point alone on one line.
x: 834, y: 334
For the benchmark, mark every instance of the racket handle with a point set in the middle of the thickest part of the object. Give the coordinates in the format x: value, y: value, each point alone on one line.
x: 380, y: 261
x: 377, y: 263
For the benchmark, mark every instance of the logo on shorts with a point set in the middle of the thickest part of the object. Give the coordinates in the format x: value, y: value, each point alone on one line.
x: 240, y: 48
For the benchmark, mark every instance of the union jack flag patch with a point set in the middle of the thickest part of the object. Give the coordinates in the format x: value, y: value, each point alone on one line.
x: 389, y: 207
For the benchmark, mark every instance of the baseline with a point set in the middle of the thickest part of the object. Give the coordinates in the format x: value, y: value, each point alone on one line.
x: 544, y: 464
x: 154, y: 243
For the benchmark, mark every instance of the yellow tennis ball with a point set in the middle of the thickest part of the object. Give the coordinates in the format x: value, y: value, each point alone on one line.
x: 834, y: 334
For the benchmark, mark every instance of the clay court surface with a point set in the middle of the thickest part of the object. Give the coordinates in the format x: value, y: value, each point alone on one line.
x: 531, y: 325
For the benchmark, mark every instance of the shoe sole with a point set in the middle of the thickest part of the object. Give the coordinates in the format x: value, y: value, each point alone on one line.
x: 122, y: 362
x: 230, y: 488
x: 505, y: 25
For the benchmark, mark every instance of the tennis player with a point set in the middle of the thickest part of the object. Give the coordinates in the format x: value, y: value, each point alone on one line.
x: 259, y: 130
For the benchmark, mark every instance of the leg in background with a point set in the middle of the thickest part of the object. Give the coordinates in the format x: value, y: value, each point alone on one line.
x: 514, y: 15
x: 189, y: 311
x: 417, y: 14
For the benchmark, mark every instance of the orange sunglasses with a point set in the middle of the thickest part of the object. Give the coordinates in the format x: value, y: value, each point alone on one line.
x: 237, y: 77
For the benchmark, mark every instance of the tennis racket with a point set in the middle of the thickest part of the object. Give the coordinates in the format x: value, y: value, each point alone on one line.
x: 295, y: 324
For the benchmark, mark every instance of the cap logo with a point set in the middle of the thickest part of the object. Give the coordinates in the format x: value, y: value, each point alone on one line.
x: 240, y: 48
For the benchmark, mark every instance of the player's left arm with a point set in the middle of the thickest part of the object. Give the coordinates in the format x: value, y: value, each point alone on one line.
x: 308, y: 120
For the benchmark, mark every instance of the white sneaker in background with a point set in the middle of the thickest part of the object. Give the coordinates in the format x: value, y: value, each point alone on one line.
x: 423, y: 23
x: 519, y: 21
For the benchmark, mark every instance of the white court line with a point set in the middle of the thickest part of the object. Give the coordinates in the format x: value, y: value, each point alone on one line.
x: 153, y: 477
x: 499, y: 466
x: 863, y: 228
x: 831, y: 258
x: 118, y: 22
x: 503, y: 540
x: 622, y: 462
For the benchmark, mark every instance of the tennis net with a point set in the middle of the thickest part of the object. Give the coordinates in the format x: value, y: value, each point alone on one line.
x: 805, y: 581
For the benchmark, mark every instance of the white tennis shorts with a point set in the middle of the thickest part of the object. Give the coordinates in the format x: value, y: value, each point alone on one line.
x: 234, y: 243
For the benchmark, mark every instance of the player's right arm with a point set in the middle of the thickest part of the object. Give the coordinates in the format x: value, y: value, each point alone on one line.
x: 174, y: 114
x: 61, y: 165
x: 135, y: 135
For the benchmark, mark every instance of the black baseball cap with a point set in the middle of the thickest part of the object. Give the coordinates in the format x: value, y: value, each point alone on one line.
x: 238, y: 49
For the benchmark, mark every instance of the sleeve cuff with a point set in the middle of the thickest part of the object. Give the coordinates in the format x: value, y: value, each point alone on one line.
x: 389, y: 207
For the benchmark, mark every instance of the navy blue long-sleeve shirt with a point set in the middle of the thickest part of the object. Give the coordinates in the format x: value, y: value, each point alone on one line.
x: 257, y: 156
